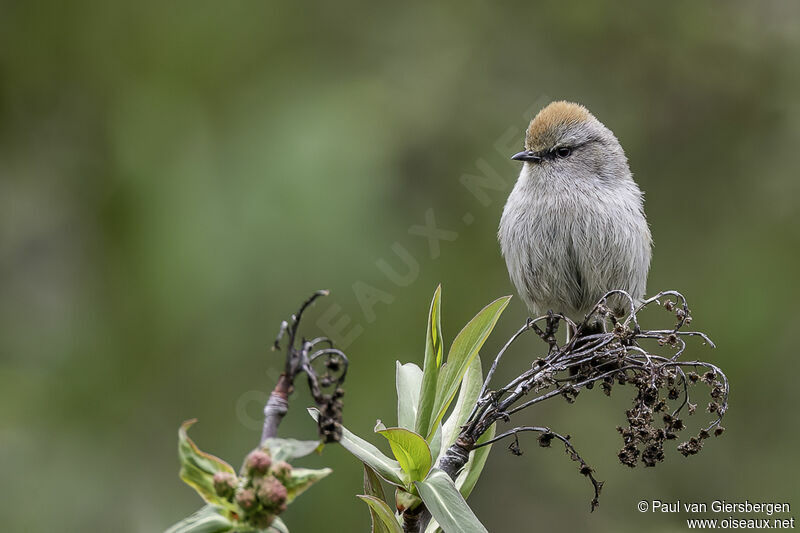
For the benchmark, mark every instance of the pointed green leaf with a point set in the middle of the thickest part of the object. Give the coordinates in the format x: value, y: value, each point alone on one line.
x: 372, y: 484
x: 435, y: 443
x: 433, y: 527
x: 288, y: 449
x: 467, y: 396
x: 434, y: 343
x: 409, y: 381
x: 383, y: 512
x: 464, y: 349
x: 209, y: 519
x: 374, y: 488
x: 468, y: 477
x: 430, y: 368
x: 447, y: 505
x: 198, y: 468
x: 387, y: 468
x: 278, y: 526
x: 404, y: 500
x: 410, y: 450
x: 301, y: 479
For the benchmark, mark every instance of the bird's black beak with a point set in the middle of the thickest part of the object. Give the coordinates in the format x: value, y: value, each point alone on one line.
x: 527, y: 155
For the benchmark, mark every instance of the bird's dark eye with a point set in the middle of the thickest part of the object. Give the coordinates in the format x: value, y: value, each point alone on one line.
x: 563, y: 151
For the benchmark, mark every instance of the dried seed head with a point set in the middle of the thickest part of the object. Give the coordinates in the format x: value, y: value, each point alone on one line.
x: 653, y: 453
x: 628, y: 455
x: 649, y: 396
x: 334, y: 363
x: 690, y: 447
x: 570, y: 393
x: 673, y: 394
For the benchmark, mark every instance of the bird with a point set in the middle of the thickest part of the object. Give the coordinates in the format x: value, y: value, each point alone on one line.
x: 574, y: 227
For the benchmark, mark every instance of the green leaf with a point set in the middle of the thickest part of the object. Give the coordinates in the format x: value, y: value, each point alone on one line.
x: 410, y: 450
x: 435, y: 443
x: 209, y: 519
x: 447, y: 505
x: 288, y: 449
x: 464, y: 349
x: 468, y: 477
x: 387, y: 468
x: 301, y: 479
x: 374, y: 488
x: 372, y: 484
x: 467, y: 396
x: 409, y: 381
x: 278, y: 526
x: 404, y: 500
x: 384, y: 513
x: 198, y: 468
x: 433, y: 527
x: 430, y: 368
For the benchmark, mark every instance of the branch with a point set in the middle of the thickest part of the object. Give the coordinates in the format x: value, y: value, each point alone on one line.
x: 619, y: 355
x: 544, y: 441
x: 300, y: 358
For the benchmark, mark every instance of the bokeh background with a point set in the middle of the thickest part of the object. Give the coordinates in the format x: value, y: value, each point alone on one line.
x: 175, y: 178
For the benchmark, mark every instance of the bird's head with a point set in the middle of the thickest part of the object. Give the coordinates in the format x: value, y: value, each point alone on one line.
x: 565, y: 139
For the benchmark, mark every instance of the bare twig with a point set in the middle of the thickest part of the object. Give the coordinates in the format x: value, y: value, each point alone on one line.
x: 301, y: 359
x: 621, y: 354
x: 544, y: 441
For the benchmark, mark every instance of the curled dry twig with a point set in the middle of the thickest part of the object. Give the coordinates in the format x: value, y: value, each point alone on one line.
x: 619, y: 355
x: 306, y: 356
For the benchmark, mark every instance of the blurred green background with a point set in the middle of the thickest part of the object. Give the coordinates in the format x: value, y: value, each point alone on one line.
x: 175, y: 178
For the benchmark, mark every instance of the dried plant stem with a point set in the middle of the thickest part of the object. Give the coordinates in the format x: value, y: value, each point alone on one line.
x: 276, y: 408
x: 301, y: 354
x: 618, y: 355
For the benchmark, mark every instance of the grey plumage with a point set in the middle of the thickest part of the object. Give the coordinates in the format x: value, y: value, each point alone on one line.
x: 574, y: 227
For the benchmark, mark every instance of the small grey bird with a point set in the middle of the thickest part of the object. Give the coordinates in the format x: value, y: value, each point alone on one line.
x: 574, y: 228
